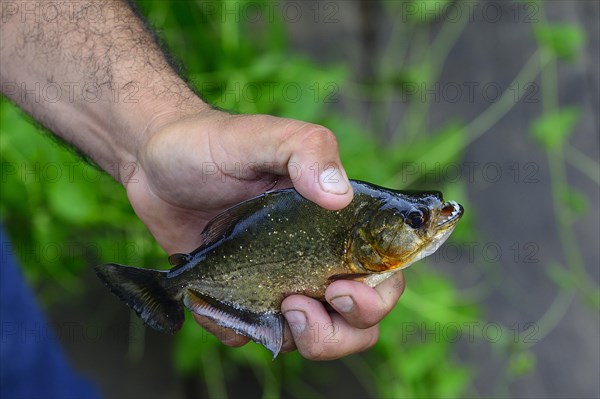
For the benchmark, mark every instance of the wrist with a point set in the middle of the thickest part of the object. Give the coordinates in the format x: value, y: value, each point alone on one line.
x: 143, y: 119
x: 163, y: 116
x: 168, y: 126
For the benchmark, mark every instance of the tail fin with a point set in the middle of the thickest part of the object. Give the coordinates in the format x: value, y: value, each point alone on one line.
x: 143, y: 291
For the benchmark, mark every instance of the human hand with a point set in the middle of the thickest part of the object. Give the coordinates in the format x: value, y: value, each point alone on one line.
x: 192, y: 168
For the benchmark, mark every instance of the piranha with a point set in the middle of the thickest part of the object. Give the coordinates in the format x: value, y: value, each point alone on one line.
x: 277, y: 244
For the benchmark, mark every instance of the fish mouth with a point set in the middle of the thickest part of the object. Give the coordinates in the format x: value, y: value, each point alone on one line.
x: 450, y: 213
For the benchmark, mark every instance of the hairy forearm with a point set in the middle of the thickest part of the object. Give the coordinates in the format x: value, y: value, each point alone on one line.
x: 91, y: 73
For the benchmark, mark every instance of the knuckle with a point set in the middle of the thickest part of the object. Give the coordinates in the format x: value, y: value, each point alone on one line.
x: 322, y: 136
x: 373, y: 338
x: 314, y: 351
x: 316, y: 136
x: 367, y: 319
x: 307, y: 138
x: 371, y: 314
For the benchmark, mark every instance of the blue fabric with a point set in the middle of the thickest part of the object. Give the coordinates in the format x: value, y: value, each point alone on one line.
x: 32, y: 364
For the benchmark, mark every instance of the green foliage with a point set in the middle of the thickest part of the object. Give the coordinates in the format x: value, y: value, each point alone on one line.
x: 412, y: 357
x: 522, y: 363
x: 563, y: 40
x: 73, y: 217
x: 574, y: 200
x: 561, y: 276
x: 63, y: 214
x: 552, y: 129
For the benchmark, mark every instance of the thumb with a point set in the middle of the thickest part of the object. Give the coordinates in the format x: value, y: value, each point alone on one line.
x: 309, y: 154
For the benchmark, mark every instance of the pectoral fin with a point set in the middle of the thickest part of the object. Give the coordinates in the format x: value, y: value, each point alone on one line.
x: 263, y: 328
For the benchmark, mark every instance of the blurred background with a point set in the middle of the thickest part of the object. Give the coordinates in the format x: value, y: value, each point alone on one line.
x: 495, y: 103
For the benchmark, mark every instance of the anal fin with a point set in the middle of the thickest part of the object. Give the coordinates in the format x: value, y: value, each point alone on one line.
x: 263, y: 328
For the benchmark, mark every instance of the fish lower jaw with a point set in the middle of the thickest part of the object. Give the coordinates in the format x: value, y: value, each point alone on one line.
x: 377, y: 278
x: 435, y: 244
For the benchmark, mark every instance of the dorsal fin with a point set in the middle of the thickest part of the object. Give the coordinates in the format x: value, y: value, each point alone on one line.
x: 222, y: 224
x: 179, y: 259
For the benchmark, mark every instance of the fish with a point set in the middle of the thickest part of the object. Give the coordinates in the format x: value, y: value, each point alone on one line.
x: 277, y: 244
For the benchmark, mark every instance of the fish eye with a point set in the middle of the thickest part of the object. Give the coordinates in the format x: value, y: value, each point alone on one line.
x: 416, y: 219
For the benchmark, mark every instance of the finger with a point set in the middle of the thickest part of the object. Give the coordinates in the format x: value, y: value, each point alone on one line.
x: 306, y: 152
x: 314, y: 165
x: 362, y: 306
x: 225, y: 335
x: 319, y: 335
x: 288, y: 340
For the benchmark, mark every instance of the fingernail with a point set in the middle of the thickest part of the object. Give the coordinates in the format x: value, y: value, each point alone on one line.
x: 332, y: 181
x: 344, y: 303
x: 296, y: 320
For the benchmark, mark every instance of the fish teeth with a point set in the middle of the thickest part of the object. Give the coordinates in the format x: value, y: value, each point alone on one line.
x: 453, y: 215
x: 456, y: 209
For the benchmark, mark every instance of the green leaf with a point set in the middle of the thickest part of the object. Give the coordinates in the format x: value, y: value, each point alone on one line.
x: 453, y: 381
x: 561, y: 276
x: 575, y: 200
x: 551, y: 130
x: 420, y: 358
x: 563, y: 40
x: 72, y: 201
x: 429, y: 156
x: 16, y: 197
x: 410, y: 80
x: 593, y: 299
x: 361, y: 153
x: 522, y: 363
